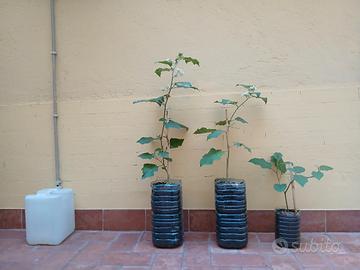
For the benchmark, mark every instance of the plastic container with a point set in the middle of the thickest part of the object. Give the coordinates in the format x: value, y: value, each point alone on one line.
x: 167, y: 225
x: 287, y: 231
x: 231, y: 213
x: 50, y: 216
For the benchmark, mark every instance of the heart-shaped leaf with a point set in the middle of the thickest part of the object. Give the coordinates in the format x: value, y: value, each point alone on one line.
x: 261, y: 162
x: 158, y: 100
x: 185, y: 85
x: 211, y: 156
x: 325, y: 168
x: 166, y: 62
x: 226, y: 102
x: 242, y: 120
x: 148, y: 170
x: 215, y: 134
x: 280, y: 187
x: 297, y: 169
x: 173, y: 124
x: 204, y: 130
x: 175, y: 142
x: 300, y: 179
x: 146, y: 156
x: 146, y: 140
x: 158, y: 71
x: 317, y: 174
x: 238, y: 145
x: 221, y: 123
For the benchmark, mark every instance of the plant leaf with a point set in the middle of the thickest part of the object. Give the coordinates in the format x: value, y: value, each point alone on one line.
x: 188, y: 59
x: 185, y: 85
x: 211, y: 156
x: 261, y: 162
x: 148, y: 170
x: 300, y: 179
x: 242, y: 120
x: 325, y: 168
x: 264, y: 99
x: 146, y: 156
x: 204, y: 130
x: 280, y: 187
x: 159, y: 70
x: 163, y: 154
x: 173, y: 124
x: 226, y: 102
x: 297, y: 169
x: 145, y: 140
x: 237, y: 144
x: 276, y: 157
x: 175, y: 142
x: 215, y: 134
x: 317, y: 174
x: 166, y: 62
x: 158, y: 100
x: 221, y: 123
x: 249, y: 87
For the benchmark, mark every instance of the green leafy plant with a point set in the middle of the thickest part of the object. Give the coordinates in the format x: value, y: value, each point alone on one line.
x: 287, y: 174
x: 161, y: 156
x: 224, y: 126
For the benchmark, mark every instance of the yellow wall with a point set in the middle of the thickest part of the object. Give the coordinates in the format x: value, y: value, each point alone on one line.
x: 305, y: 55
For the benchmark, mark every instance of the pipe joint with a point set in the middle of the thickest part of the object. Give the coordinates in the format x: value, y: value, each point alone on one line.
x: 53, y: 52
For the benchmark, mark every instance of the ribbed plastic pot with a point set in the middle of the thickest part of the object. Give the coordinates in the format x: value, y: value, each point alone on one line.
x: 166, y: 204
x: 231, y: 213
x: 287, y: 230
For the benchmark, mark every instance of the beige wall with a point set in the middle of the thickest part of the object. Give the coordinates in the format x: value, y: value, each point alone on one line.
x: 304, y: 54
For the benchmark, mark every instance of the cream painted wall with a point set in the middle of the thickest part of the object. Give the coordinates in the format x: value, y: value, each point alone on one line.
x: 304, y: 54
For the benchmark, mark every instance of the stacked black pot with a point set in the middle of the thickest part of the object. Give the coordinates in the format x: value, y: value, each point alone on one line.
x: 167, y: 225
x: 287, y: 231
x: 231, y: 213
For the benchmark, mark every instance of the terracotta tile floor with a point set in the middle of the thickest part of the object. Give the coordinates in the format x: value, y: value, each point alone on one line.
x: 133, y: 250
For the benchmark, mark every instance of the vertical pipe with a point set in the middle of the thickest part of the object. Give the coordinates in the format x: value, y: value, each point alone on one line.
x: 58, y: 181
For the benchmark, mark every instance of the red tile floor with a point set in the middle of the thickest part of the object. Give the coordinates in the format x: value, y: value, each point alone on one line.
x: 110, y: 250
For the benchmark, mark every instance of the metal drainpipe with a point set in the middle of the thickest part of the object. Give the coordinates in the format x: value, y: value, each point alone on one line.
x: 58, y: 181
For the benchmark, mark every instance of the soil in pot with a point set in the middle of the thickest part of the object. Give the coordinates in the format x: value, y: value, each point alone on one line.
x: 287, y: 230
x: 231, y: 213
x: 166, y: 204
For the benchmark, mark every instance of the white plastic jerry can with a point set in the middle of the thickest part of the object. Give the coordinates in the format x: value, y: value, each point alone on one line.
x: 50, y: 216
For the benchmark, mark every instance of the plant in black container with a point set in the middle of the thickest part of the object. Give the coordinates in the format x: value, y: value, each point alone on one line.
x: 167, y: 226
x: 287, y: 220
x: 230, y: 193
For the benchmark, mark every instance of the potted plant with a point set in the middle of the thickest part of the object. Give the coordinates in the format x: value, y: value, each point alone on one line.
x: 287, y: 220
x: 166, y: 202
x: 230, y: 193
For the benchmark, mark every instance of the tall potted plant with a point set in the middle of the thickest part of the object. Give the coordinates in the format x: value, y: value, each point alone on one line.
x: 230, y: 193
x: 166, y: 200
x: 287, y: 220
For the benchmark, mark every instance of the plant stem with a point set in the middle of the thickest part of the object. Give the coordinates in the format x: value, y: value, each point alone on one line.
x: 164, y: 162
x: 293, y: 194
x: 287, y: 206
x: 228, y: 123
x: 227, y: 143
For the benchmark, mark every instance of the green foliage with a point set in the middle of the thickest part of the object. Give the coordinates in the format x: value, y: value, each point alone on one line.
x: 240, y: 119
x: 226, y: 102
x: 174, y: 124
x: 226, y: 124
x: 261, y: 162
x: 238, y: 145
x: 159, y: 100
x: 216, y: 133
x: 211, y: 156
x: 161, y: 156
x: 294, y: 173
x: 146, y: 140
x: 185, y: 85
x: 148, y: 170
x: 280, y: 187
x: 175, y: 143
x: 204, y: 130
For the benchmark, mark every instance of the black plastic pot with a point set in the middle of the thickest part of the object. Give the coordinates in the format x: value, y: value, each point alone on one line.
x: 167, y: 224
x: 287, y: 230
x: 231, y: 213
